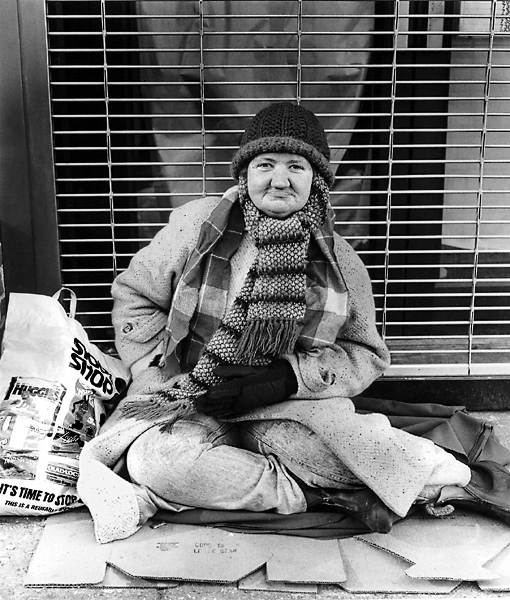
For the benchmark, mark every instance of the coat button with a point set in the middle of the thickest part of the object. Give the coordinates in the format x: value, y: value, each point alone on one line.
x: 127, y: 328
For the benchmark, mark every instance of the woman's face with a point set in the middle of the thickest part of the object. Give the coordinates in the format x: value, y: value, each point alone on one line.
x: 279, y: 184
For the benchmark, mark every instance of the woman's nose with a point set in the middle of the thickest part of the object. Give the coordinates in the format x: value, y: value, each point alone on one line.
x: 280, y: 177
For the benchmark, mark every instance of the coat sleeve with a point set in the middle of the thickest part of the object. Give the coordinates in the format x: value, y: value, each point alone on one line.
x: 143, y: 293
x: 358, y: 355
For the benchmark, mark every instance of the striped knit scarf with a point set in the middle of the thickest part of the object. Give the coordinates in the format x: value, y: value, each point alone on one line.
x: 267, y: 315
x: 274, y: 291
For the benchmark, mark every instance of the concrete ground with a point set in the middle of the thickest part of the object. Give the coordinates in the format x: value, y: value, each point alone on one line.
x: 19, y: 538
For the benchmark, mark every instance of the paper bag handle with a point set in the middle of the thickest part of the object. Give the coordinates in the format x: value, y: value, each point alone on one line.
x: 72, y: 300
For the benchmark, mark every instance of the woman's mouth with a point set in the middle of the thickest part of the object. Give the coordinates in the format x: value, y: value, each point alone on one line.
x: 279, y: 196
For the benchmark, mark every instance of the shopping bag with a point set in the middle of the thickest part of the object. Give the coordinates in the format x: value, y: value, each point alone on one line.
x: 56, y: 389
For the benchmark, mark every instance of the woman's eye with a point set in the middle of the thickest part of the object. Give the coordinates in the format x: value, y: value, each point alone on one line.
x: 297, y: 167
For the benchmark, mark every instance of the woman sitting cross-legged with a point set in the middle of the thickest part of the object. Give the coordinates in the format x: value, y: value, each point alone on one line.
x: 248, y: 324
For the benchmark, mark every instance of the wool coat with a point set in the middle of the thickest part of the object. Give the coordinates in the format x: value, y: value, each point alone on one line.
x: 144, y: 293
x: 394, y: 464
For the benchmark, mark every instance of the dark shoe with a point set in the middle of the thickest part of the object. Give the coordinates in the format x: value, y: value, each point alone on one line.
x: 489, y: 488
x: 361, y: 504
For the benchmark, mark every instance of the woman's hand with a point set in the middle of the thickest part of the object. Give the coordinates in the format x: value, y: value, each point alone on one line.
x: 247, y: 388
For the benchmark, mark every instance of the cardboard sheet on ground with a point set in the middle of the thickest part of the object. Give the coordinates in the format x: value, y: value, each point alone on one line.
x: 501, y: 566
x: 258, y: 581
x: 369, y: 570
x: 114, y: 578
x: 69, y: 555
x: 456, y: 548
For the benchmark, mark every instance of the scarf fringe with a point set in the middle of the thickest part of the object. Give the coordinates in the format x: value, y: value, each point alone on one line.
x: 273, y: 337
x: 157, y: 407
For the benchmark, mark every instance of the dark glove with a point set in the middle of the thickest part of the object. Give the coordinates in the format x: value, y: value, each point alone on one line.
x: 247, y: 388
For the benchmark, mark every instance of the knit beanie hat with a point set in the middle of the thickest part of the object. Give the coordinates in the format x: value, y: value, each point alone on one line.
x: 285, y: 127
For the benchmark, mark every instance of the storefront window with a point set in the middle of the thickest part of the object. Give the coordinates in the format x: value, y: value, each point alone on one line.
x: 149, y: 99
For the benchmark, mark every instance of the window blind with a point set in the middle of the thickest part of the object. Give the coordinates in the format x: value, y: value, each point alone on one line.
x: 149, y: 99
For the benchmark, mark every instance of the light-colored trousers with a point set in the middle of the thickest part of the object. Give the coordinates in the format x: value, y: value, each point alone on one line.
x: 251, y: 465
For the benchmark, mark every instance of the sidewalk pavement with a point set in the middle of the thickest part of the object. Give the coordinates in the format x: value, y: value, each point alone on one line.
x: 19, y: 537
